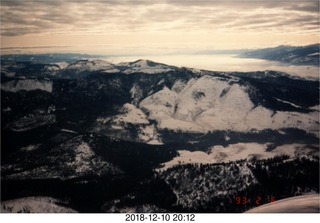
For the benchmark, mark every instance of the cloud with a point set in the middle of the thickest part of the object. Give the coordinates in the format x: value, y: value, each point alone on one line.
x: 115, y: 17
x: 32, y: 47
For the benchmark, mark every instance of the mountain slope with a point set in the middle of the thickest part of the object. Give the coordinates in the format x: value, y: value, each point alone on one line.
x: 302, y: 55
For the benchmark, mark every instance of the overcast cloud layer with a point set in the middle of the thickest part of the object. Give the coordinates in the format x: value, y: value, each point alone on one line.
x: 101, y: 17
x: 161, y: 18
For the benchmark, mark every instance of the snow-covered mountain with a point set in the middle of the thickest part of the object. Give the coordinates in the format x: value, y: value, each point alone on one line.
x: 212, y: 103
x: 91, y: 65
x: 144, y: 66
x: 85, y: 67
x: 178, y: 99
x: 299, y: 55
x: 124, y: 135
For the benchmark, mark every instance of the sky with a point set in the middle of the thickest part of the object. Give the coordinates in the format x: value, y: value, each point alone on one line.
x: 135, y: 27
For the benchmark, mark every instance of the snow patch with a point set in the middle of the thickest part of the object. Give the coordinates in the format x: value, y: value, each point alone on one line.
x: 131, y: 114
x: 34, y: 205
x: 27, y: 85
x: 288, y: 102
x: 31, y: 121
x: 52, y: 68
x: 316, y: 107
x: 7, y: 109
x: 148, y: 134
x: 67, y: 130
x: 8, y: 73
x: 179, y: 125
x: 62, y: 65
x: 83, y: 158
x: 239, y: 151
x: 136, y: 94
x: 30, y: 148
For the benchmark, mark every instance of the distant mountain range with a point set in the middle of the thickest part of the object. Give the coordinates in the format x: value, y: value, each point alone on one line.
x: 143, y: 136
x: 296, y: 55
x: 47, y: 58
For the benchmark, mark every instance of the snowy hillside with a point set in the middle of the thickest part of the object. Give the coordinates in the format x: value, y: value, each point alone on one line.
x: 27, y: 85
x: 91, y: 66
x: 212, y: 103
x: 35, y: 205
x: 144, y: 66
x: 240, y: 151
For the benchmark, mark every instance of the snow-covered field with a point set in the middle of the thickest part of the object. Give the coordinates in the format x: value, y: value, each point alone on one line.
x: 239, y: 151
x: 300, y: 204
x: 34, y: 205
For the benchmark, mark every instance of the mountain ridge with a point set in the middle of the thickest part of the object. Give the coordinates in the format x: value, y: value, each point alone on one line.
x: 298, y: 55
